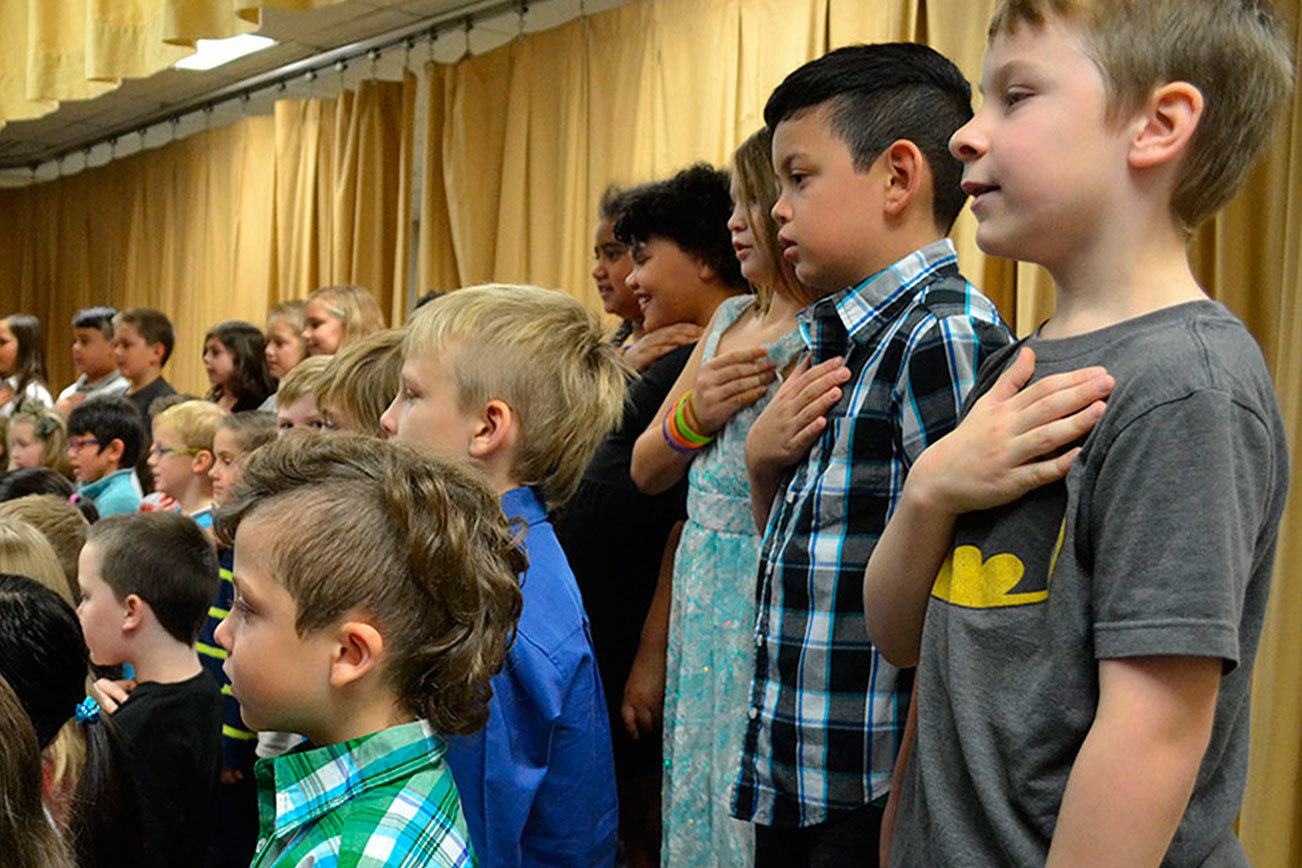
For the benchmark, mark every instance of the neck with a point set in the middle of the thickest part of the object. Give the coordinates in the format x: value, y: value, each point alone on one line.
x: 195, y: 498
x: 164, y: 660
x: 96, y: 376
x: 782, y: 308
x: 1132, y: 268
x: 149, y: 377
x: 712, y: 295
x: 638, y: 330
x: 357, y: 716
x: 227, y: 400
x: 891, y: 247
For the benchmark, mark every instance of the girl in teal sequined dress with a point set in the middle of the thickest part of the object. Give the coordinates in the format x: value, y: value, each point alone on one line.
x: 708, y: 626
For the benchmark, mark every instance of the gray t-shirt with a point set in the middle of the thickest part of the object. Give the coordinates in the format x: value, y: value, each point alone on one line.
x: 1159, y: 542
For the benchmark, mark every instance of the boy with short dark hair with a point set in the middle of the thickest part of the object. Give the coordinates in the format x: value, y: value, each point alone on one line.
x: 104, y: 440
x: 375, y: 597
x: 143, y: 339
x: 92, y: 355
x: 868, y: 193
x: 519, y: 383
x: 1094, y: 576
x: 146, y: 582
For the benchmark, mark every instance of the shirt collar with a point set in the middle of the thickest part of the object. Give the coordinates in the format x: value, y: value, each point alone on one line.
x: 84, y: 384
x: 861, y: 307
x: 523, y: 503
x: 312, y: 782
x: 91, y: 489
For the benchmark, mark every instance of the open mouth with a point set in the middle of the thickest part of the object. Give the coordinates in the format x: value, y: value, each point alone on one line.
x: 976, y: 189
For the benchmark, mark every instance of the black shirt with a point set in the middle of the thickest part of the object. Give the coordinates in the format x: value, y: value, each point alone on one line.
x: 160, y: 388
x: 614, y: 535
x: 173, y: 734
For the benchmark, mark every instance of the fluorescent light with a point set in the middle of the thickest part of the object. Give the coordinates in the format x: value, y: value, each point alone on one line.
x: 212, y: 53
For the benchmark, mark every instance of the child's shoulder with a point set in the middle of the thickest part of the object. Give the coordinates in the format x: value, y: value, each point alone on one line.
x: 416, y: 821
x: 1196, y: 351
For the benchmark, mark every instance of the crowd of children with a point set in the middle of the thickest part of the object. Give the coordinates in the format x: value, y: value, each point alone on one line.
x: 810, y: 563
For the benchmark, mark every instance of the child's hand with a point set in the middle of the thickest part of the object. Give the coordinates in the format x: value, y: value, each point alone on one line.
x: 996, y: 454
x: 644, y: 693
x: 653, y: 345
x: 726, y: 384
x: 232, y: 776
x: 111, y: 694
x: 795, y: 417
x: 68, y: 404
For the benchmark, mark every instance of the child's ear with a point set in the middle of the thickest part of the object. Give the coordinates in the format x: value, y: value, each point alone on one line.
x: 905, y: 169
x: 114, y: 450
x: 201, y: 463
x: 1165, y: 125
x: 705, y: 271
x: 357, y: 652
x: 494, y: 430
x: 133, y: 613
x: 156, y: 353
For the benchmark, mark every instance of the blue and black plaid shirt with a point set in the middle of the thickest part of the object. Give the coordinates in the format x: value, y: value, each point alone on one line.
x: 826, y: 711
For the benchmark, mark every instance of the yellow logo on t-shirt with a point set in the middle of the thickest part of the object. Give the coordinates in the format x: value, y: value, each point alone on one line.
x: 967, y: 578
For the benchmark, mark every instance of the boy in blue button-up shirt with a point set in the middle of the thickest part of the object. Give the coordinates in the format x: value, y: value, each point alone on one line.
x: 518, y: 381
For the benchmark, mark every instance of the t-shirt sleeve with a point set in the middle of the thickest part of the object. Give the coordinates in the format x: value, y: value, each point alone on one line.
x: 1172, y: 515
x: 944, y: 356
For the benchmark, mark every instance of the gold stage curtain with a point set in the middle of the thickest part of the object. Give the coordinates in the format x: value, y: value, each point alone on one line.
x: 521, y: 141
x: 59, y: 50
x: 219, y: 225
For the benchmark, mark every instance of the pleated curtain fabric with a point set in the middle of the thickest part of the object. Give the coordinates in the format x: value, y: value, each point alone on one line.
x: 518, y: 145
x: 58, y: 50
x: 220, y: 225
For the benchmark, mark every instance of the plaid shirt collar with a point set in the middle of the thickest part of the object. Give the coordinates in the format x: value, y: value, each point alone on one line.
x: 865, y: 308
x: 310, y: 783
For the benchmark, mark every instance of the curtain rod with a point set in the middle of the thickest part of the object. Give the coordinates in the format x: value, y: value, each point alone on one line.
x: 279, y: 78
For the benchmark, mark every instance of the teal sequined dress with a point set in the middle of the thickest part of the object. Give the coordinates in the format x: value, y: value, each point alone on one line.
x: 711, y: 648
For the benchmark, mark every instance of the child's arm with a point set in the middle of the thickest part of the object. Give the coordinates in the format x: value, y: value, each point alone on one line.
x: 892, y: 811
x: 721, y: 387
x: 788, y: 427
x: 644, y: 694
x: 993, y: 457
x: 1134, y: 773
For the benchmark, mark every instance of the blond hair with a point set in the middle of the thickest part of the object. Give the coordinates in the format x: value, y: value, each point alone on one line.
x: 61, y: 523
x: 363, y: 379
x: 757, y: 187
x: 419, y: 544
x: 303, y: 379
x: 195, y: 422
x: 24, y: 551
x: 1233, y: 51
x: 48, y: 427
x: 543, y: 354
x: 356, y: 308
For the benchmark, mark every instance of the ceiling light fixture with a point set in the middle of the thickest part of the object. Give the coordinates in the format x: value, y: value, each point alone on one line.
x: 212, y: 53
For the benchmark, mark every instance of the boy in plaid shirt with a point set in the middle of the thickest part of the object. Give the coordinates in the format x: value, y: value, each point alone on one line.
x: 868, y: 192
x: 376, y: 595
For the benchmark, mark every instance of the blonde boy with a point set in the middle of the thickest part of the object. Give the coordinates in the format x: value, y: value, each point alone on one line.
x: 519, y: 383
x: 181, y: 456
x: 1094, y: 580
x: 375, y: 597
x: 360, y: 382
x: 296, y: 398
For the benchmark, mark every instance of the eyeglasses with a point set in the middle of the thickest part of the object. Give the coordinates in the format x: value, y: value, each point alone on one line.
x: 76, y: 444
x: 161, y: 452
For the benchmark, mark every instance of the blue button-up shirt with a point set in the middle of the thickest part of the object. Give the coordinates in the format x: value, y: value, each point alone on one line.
x: 826, y: 711
x: 537, y: 783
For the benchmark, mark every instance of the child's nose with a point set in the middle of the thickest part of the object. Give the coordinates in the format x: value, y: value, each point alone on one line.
x: 967, y: 143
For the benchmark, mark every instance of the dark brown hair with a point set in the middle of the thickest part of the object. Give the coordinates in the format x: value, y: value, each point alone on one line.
x: 164, y: 559
x: 419, y: 544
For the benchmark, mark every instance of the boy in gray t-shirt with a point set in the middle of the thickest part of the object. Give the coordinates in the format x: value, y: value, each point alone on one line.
x: 1093, y: 575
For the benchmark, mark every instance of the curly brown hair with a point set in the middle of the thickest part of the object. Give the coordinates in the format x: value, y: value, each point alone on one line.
x: 419, y: 544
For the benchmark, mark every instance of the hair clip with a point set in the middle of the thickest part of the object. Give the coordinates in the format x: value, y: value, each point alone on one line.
x: 88, y: 710
x: 74, y: 498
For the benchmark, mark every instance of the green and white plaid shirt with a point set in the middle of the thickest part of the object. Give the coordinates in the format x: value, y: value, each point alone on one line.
x: 381, y: 801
